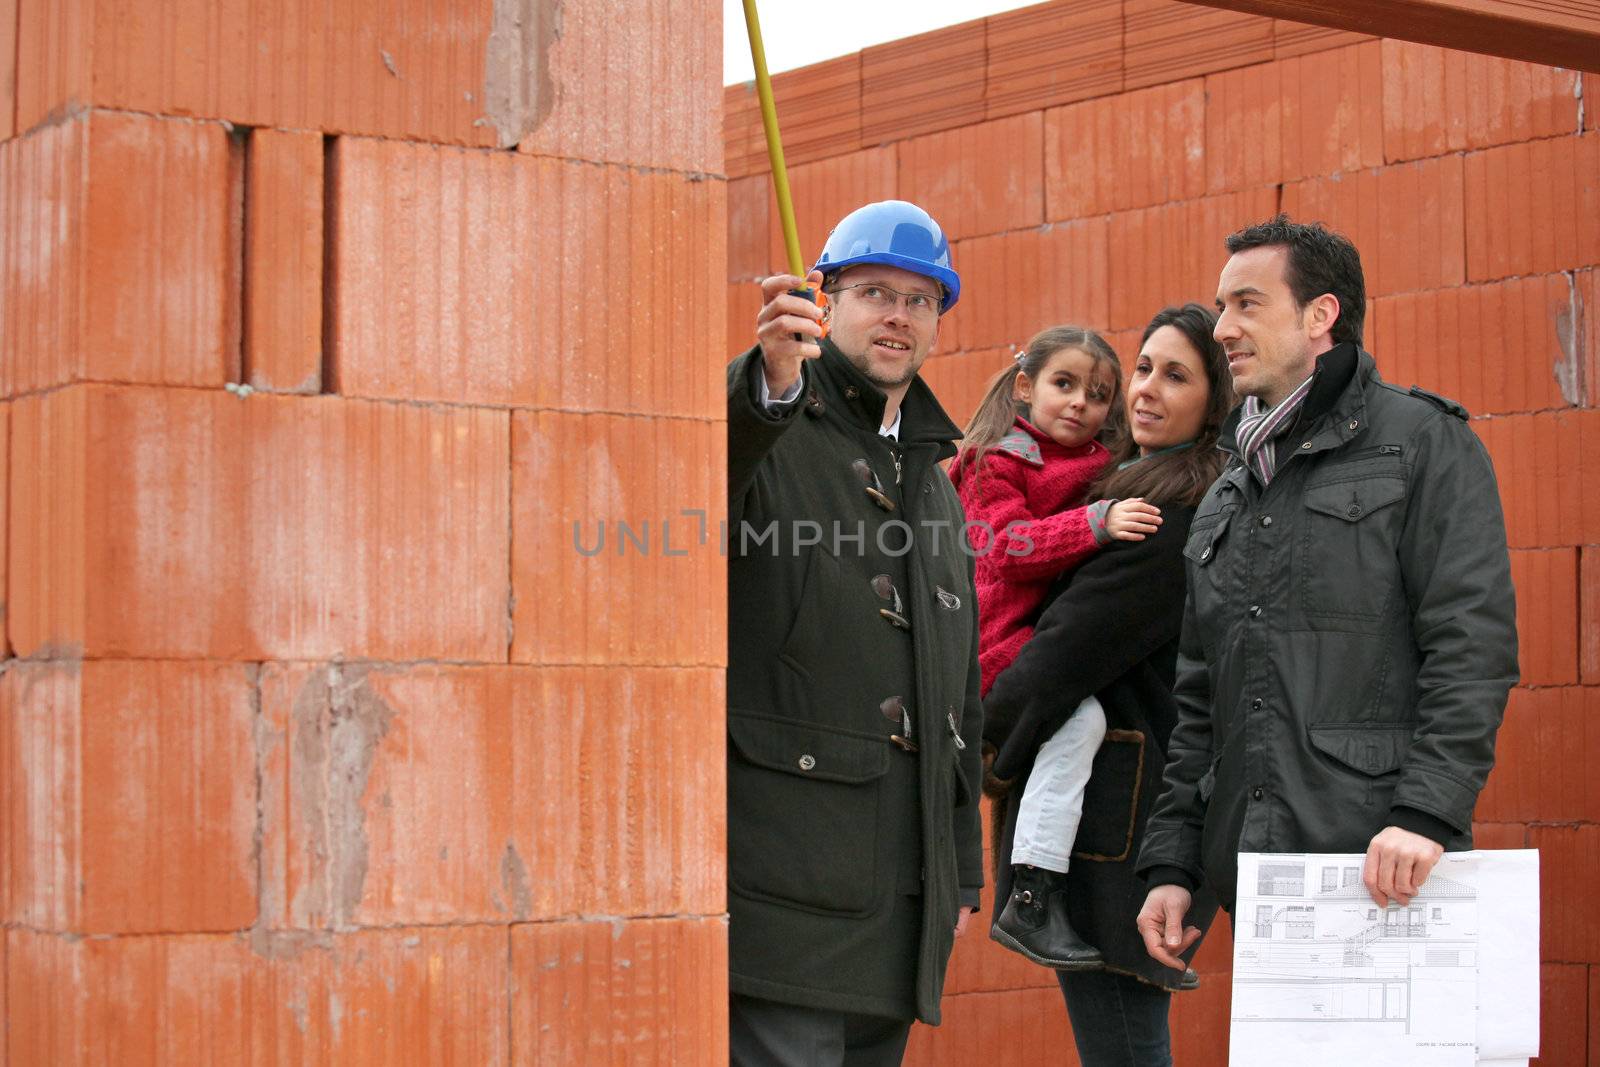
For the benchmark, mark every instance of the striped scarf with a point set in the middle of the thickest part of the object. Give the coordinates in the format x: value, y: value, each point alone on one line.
x: 1259, y: 426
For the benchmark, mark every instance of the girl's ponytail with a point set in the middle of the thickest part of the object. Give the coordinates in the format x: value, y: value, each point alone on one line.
x: 997, y: 413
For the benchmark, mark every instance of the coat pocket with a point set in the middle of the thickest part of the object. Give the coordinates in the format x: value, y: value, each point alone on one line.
x: 1371, y: 748
x: 1111, y: 799
x: 1347, y: 553
x: 803, y: 805
x: 1205, y: 537
x: 1355, y: 782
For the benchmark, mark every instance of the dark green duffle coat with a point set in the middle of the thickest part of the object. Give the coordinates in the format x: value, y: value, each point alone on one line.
x: 848, y: 856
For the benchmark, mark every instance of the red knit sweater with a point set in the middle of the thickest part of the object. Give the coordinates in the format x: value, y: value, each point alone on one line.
x: 1029, y: 480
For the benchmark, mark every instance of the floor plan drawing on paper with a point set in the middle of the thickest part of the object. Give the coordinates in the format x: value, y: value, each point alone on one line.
x: 1313, y: 954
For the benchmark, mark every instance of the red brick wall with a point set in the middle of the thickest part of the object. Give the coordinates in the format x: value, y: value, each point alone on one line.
x: 1088, y: 158
x: 319, y: 742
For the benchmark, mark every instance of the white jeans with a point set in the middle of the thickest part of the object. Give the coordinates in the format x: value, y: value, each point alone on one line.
x: 1052, y: 804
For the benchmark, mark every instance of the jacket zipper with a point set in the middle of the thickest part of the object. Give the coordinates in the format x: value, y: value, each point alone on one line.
x: 1380, y: 450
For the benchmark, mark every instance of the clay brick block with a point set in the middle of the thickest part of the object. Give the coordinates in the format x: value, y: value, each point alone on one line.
x: 403, y: 70
x: 1173, y: 253
x: 1547, y: 615
x: 481, y: 74
x: 1167, y: 40
x: 1298, y: 38
x: 602, y: 549
x: 8, y: 129
x: 283, y: 262
x: 1591, y: 98
x: 1298, y: 117
x: 751, y: 209
x: 42, y: 242
x: 1022, y: 281
x: 397, y: 796
x: 1510, y: 232
x: 130, y: 801
x: 52, y: 58
x: 1031, y: 1020
x: 449, y: 283
x: 1406, y: 220
x: 1244, y: 127
x: 1438, y: 100
x: 1564, y: 1001
x: 1541, y: 757
x: 978, y: 179
x: 960, y: 380
x: 115, y: 263
x: 47, y: 508
x: 744, y: 303
x: 1569, y: 861
x: 1333, y: 111
x: 826, y: 191
x: 183, y: 523
x: 1499, y: 835
x: 1125, y: 151
x: 412, y: 997
x: 1542, y: 463
x: 1438, y: 339
x: 1589, y: 614
x: 932, y: 81
x: 613, y: 992
x: 819, y: 115
x: 644, y: 89
x: 5, y: 500
x: 1025, y: 71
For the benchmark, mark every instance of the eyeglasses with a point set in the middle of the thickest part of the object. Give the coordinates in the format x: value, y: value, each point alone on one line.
x: 882, y: 298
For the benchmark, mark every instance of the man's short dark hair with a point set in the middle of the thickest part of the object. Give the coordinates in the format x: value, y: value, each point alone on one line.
x: 1320, y: 261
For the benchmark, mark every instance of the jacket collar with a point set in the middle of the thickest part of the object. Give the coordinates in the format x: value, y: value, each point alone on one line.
x: 836, y: 383
x: 1335, y: 410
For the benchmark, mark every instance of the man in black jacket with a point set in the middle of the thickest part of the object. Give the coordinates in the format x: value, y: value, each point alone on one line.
x: 1350, y: 636
x: 854, y: 843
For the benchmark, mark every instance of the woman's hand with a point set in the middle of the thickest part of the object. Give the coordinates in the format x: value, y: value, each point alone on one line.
x: 1160, y: 923
x: 1132, y: 520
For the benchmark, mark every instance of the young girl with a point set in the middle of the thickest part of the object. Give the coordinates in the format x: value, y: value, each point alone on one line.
x: 1026, y: 461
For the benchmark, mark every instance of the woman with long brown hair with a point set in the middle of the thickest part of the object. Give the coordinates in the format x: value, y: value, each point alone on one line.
x: 1110, y: 630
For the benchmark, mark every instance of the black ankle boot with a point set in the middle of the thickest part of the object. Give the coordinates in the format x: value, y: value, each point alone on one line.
x: 1035, y: 923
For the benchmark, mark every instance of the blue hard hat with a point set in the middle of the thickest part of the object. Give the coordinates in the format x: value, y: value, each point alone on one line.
x: 896, y: 234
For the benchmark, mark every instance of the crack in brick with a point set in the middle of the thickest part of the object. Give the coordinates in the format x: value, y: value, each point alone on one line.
x: 518, y: 93
x: 514, y: 879
x: 1569, y: 364
x: 339, y: 722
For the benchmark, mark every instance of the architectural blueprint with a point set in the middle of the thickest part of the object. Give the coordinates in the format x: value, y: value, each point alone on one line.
x: 1322, y: 975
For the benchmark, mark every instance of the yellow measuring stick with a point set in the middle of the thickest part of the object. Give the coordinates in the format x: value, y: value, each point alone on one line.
x: 769, y: 122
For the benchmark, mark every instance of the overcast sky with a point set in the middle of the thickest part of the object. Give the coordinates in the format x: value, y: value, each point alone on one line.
x: 799, y: 32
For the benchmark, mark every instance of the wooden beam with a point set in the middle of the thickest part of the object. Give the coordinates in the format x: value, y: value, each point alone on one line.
x: 1560, y: 33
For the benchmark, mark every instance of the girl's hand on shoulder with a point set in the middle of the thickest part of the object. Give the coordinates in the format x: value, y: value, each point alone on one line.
x: 1132, y: 520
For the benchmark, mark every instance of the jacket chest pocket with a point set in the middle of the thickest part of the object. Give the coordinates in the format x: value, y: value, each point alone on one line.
x: 1347, y: 549
x: 1203, y: 550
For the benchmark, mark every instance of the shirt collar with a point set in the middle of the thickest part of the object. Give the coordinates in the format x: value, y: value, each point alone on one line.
x: 893, y: 429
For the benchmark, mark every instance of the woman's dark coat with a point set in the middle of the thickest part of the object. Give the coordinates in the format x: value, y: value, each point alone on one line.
x: 1110, y: 630
x: 848, y: 856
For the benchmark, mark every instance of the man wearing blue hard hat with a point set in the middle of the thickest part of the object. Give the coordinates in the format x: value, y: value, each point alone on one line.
x: 854, y: 845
